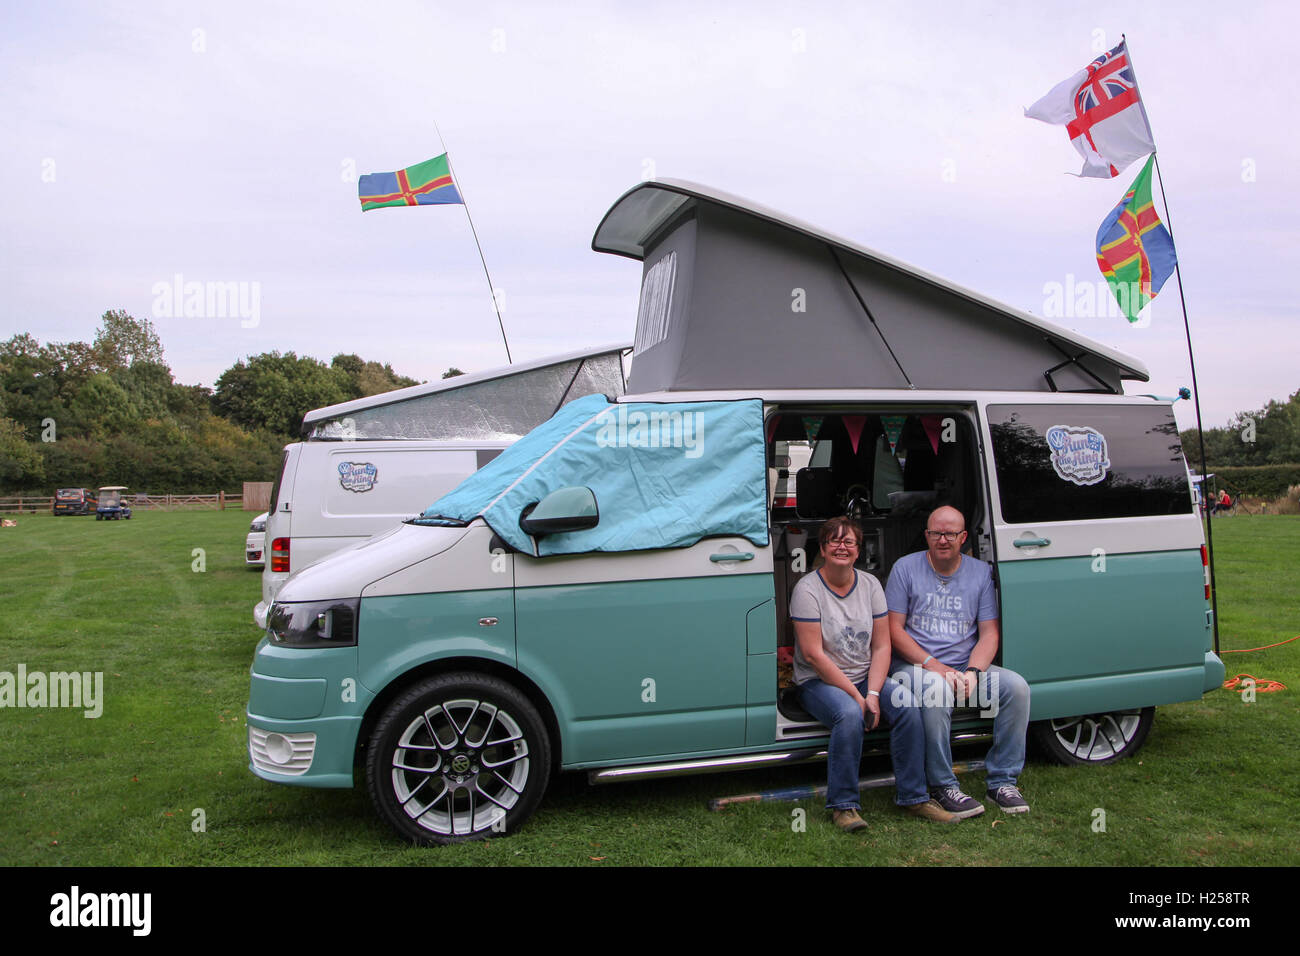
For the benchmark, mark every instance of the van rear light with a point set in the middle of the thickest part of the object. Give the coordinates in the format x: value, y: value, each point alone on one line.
x: 1205, y: 563
x: 280, y: 555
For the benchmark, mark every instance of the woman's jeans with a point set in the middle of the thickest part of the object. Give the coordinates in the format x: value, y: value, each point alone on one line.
x: 838, y: 711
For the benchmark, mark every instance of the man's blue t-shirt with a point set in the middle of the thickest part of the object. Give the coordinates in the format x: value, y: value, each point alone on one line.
x: 943, y: 612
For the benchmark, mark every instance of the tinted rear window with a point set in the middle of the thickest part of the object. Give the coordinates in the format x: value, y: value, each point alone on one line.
x: 1080, y: 462
x: 275, y: 488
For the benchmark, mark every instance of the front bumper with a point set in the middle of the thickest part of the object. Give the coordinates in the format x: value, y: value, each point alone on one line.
x: 305, y: 708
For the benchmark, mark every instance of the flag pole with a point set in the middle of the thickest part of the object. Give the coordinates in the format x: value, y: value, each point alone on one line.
x: 1191, y: 358
x: 474, y: 232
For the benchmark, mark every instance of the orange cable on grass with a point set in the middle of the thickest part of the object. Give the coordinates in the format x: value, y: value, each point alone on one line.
x: 1262, y: 684
x: 1247, y: 650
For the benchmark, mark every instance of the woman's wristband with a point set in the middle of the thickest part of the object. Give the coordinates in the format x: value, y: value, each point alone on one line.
x: 873, y: 693
x: 928, y: 658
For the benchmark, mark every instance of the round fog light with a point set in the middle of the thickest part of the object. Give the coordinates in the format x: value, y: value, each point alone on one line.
x: 278, y: 749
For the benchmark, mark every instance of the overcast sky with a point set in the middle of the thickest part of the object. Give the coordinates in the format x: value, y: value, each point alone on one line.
x: 220, y: 142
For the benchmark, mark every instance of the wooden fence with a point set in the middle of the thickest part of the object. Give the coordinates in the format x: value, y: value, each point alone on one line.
x: 257, y: 495
x: 141, y: 502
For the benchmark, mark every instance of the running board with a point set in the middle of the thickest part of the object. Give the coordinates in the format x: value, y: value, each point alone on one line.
x: 683, y: 768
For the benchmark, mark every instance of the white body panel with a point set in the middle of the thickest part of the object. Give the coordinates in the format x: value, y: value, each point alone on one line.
x: 320, y: 514
x: 599, y: 567
x: 373, y: 560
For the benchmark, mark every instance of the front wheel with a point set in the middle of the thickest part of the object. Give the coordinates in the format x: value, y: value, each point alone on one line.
x: 1094, y: 738
x: 458, y: 757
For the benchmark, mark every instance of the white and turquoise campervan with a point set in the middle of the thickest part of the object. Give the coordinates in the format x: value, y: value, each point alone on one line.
x: 609, y: 594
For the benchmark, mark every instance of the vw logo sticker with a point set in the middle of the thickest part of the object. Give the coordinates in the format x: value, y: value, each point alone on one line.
x: 1079, y: 454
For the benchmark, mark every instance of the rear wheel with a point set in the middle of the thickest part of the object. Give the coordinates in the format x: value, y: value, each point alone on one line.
x: 458, y: 757
x: 1094, y: 738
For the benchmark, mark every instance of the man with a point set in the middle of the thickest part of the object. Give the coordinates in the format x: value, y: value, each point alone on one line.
x: 943, y: 624
x: 841, y: 664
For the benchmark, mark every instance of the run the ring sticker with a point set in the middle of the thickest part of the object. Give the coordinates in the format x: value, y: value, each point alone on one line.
x: 358, y: 476
x: 1079, y: 454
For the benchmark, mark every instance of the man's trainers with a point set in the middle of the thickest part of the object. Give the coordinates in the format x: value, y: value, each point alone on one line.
x: 1009, y: 799
x: 930, y: 810
x: 956, y: 802
x: 848, y: 820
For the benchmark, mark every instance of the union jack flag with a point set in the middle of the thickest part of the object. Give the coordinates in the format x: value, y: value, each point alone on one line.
x: 1102, y: 112
x: 1109, y: 88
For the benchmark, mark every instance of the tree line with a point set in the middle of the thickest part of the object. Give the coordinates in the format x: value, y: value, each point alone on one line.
x: 1263, y: 436
x: 77, y: 414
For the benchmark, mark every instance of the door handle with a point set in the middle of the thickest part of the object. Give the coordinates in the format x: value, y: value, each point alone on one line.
x: 1032, y: 542
x: 732, y: 556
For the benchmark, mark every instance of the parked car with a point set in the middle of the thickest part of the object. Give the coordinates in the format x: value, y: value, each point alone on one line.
x: 255, y: 543
x: 74, y: 501
x: 610, y: 595
x: 111, y: 504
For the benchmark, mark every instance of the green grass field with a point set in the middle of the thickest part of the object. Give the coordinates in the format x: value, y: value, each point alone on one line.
x: 1215, y: 784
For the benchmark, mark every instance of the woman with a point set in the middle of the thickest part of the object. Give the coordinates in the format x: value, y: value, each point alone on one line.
x: 841, y: 664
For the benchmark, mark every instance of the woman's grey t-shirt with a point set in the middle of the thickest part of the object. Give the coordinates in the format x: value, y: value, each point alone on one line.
x: 847, y: 622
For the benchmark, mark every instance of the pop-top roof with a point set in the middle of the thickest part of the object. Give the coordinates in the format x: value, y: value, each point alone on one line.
x: 737, y: 296
x: 497, y: 405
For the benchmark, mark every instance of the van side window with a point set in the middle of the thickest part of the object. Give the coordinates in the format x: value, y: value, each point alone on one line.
x: 1084, y: 462
x: 275, y: 488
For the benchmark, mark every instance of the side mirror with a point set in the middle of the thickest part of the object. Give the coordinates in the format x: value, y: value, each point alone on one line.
x: 565, y: 509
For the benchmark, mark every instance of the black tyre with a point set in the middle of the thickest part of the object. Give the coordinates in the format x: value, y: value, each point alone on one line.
x: 458, y: 757
x: 1094, y: 738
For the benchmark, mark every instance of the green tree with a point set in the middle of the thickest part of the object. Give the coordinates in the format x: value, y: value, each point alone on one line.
x: 452, y: 372
x: 123, y: 340
x: 369, y: 378
x: 274, y: 391
x: 21, y: 465
x: 1265, y: 436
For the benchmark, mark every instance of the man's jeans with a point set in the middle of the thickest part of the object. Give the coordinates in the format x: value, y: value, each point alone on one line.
x: 1005, y: 690
x: 838, y: 711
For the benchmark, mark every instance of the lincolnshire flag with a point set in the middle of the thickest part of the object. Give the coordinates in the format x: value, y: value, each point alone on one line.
x: 1102, y: 112
x: 424, y: 184
x: 1134, y: 249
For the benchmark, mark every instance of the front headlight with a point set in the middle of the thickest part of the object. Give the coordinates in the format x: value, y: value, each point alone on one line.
x: 257, y: 526
x: 314, y: 623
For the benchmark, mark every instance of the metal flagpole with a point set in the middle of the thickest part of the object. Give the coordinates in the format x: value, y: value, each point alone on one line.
x: 1191, y: 358
x: 465, y: 202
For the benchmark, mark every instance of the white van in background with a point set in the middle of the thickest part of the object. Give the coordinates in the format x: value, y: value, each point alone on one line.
x: 363, y: 466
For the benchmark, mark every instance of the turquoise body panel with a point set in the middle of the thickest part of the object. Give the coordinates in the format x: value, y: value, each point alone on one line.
x: 760, y: 679
x: 287, y: 698
x: 642, y: 668
x: 399, y: 633
x: 1133, y: 635
x: 286, y: 683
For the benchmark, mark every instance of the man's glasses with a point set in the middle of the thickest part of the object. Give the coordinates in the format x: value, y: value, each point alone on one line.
x: 945, y: 535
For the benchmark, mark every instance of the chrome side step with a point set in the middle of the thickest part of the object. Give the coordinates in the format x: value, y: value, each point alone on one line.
x: 682, y: 768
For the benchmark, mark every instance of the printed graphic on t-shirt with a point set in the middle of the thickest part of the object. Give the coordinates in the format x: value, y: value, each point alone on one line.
x: 941, y: 614
x: 853, y: 645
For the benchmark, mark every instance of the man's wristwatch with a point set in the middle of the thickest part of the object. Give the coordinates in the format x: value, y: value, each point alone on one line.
x: 977, y: 670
